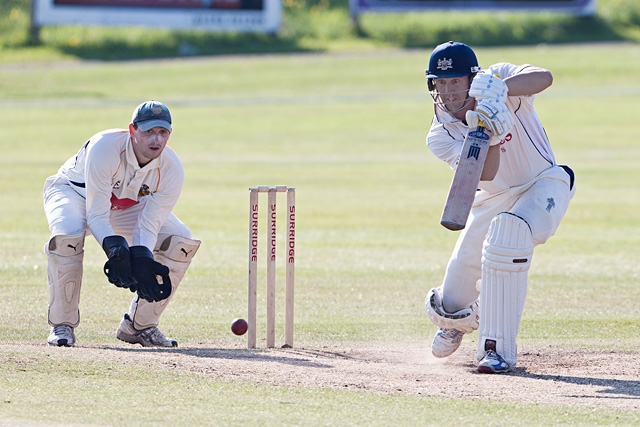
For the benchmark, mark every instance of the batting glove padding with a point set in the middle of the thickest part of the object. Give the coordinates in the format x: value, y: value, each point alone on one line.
x: 146, y: 271
x: 494, y: 114
x: 118, y: 267
x: 487, y: 86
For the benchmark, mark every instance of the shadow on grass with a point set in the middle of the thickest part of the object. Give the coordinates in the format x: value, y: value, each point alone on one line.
x: 297, y: 357
x: 611, y: 388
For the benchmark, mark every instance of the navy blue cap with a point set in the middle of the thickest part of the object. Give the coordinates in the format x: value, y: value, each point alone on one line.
x: 452, y: 59
x: 151, y: 114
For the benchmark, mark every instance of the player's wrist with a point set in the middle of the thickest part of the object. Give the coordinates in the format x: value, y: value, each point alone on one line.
x: 140, y: 252
x: 118, y: 266
x: 112, y: 244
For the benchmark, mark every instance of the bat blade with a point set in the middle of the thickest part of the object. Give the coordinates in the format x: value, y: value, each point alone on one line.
x: 466, y: 179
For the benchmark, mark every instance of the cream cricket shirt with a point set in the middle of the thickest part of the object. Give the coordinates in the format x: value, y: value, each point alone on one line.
x: 106, y: 172
x: 525, y: 150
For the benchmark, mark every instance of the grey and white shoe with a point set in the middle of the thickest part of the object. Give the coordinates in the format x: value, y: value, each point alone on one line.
x: 493, y: 363
x: 62, y: 336
x: 446, y: 342
x: 150, y: 337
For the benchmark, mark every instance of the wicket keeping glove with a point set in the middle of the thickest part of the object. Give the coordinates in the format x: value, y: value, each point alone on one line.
x: 118, y: 266
x: 146, y: 271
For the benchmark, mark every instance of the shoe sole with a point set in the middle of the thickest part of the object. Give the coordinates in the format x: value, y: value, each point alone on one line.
x: 61, y: 343
x: 490, y: 370
x: 447, y: 354
x: 132, y: 339
x: 441, y: 355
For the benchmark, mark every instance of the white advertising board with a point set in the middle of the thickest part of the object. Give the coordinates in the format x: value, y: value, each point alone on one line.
x: 213, y: 15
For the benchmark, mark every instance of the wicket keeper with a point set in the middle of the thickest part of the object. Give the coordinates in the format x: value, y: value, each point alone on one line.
x: 120, y: 187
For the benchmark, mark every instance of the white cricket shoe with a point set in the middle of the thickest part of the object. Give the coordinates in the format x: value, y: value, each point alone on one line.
x: 446, y: 342
x: 493, y: 363
x: 62, y: 336
x: 150, y: 337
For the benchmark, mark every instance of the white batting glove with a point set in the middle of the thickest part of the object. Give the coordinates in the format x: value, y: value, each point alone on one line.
x: 487, y: 86
x: 495, y: 117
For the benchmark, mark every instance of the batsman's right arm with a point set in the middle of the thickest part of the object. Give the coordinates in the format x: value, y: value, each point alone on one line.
x: 491, y: 164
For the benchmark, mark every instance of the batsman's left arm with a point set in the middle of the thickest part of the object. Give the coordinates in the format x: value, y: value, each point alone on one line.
x: 529, y: 80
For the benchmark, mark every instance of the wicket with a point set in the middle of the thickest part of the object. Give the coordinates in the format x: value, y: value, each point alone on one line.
x: 271, y: 263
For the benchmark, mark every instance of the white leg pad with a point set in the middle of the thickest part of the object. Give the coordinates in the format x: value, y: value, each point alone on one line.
x: 176, y: 253
x: 465, y: 320
x: 64, y: 274
x: 506, y: 258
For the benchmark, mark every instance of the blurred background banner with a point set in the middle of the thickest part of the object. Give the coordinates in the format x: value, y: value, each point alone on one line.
x: 578, y: 7
x: 212, y: 15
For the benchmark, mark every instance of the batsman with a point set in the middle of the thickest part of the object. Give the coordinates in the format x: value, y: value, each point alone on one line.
x: 522, y: 196
x: 120, y: 187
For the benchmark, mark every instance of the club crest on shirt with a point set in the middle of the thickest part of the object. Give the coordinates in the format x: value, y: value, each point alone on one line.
x: 445, y: 64
x: 144, y: 190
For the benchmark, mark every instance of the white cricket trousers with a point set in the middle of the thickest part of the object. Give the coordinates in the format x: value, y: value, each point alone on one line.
x: 542, y: 203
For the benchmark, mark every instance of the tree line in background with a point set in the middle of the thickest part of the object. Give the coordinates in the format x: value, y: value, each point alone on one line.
x: 317, y: 25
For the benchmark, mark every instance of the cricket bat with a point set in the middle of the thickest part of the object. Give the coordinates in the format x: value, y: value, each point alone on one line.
x: 466, y: 179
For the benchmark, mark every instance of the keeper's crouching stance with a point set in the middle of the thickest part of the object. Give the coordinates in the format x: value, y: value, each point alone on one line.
x: 120, y: 187
x: 139, y: 325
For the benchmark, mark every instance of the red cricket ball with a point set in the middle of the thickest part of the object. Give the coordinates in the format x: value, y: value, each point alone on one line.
x: 239, y: 326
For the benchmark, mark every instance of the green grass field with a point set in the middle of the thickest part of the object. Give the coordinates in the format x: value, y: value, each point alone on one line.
x: 347, y: 130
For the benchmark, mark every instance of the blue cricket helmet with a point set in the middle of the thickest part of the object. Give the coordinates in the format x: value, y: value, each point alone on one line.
x: 452, y: 59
